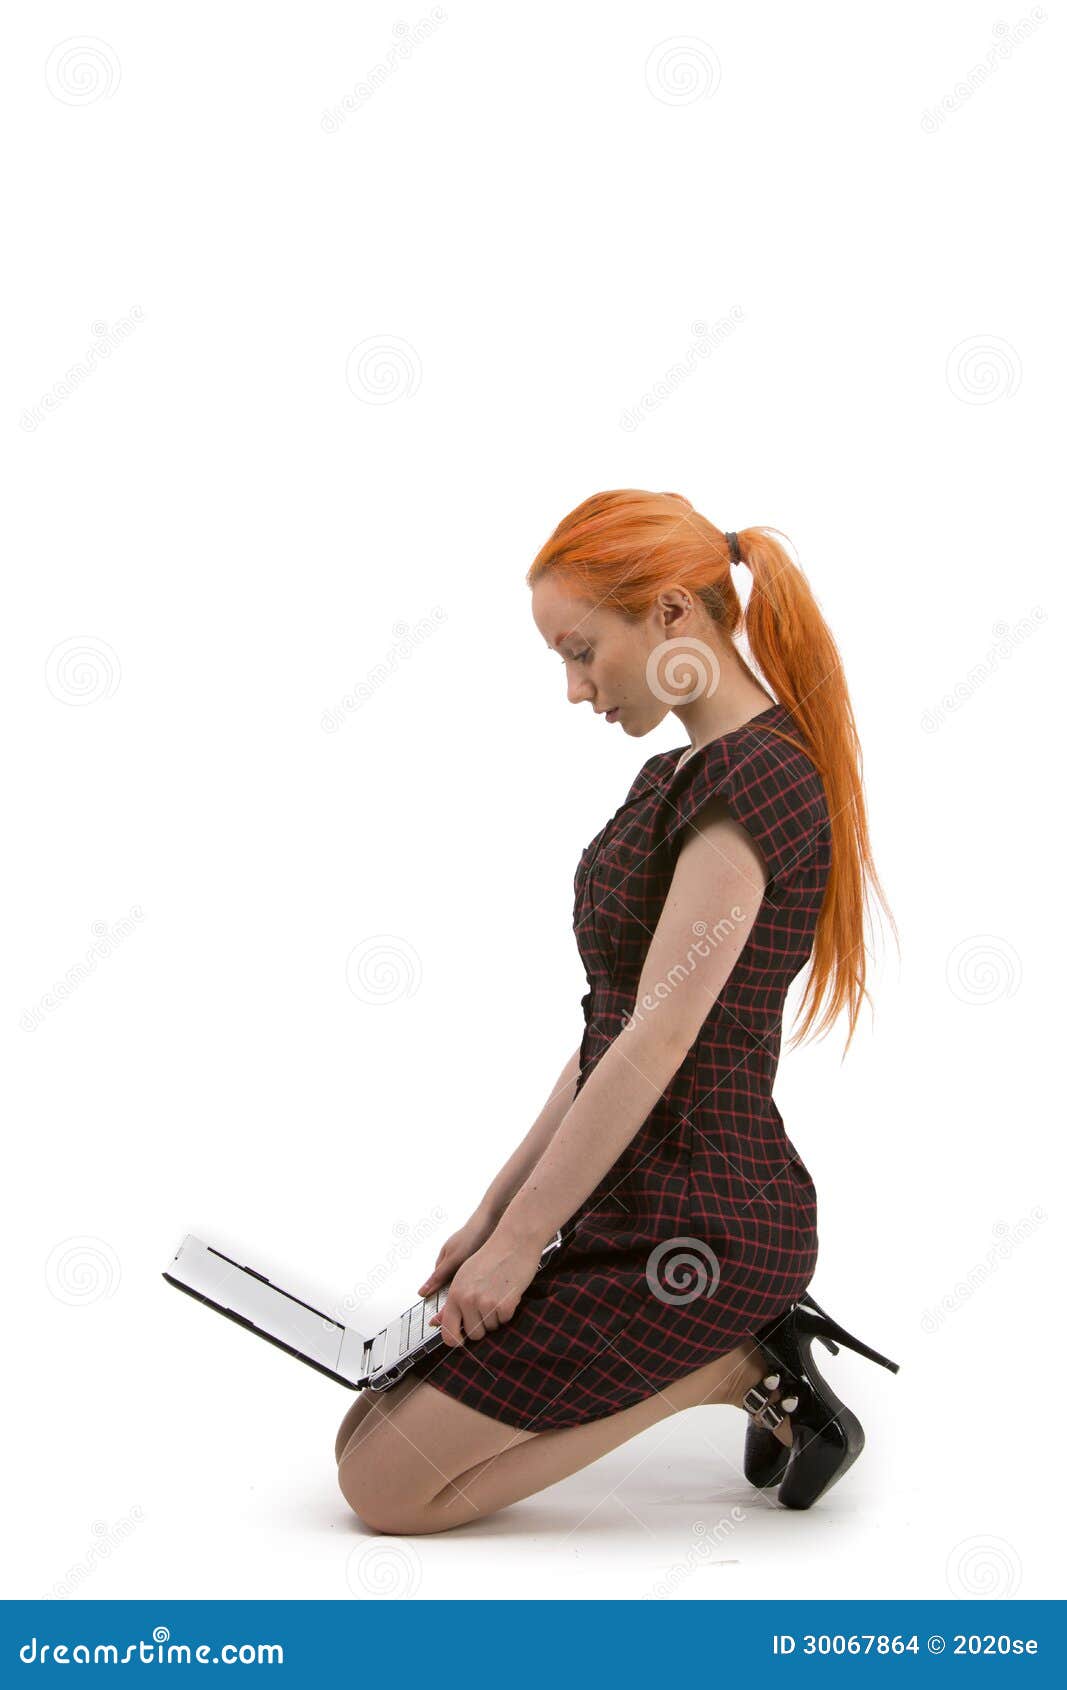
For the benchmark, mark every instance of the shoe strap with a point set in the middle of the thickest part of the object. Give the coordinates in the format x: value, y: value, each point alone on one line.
x: 757, y: 1400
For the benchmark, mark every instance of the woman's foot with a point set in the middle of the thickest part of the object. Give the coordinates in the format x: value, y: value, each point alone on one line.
x: 824, y: 1436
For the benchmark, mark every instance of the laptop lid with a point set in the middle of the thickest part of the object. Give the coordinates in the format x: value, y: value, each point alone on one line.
x: 250, y: 1299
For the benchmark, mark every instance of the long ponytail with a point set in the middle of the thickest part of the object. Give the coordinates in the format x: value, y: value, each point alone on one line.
x: 793, y: 646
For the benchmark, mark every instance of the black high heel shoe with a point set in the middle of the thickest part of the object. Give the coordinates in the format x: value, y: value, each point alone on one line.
x: 827, y: 1436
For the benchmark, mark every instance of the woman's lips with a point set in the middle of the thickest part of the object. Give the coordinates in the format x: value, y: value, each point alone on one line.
x: 612, y: 715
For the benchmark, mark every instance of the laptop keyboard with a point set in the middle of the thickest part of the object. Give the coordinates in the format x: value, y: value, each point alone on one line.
x: 407, y: 1332
x: 414, y: 1322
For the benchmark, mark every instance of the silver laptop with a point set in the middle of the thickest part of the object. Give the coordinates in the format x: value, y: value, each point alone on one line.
x: 346, y: 1355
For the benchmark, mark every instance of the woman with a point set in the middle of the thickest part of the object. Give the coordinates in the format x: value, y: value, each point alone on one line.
x: 688, y: 1218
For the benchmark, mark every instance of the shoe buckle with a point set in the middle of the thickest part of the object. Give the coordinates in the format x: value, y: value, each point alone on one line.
x: 763, y: 1411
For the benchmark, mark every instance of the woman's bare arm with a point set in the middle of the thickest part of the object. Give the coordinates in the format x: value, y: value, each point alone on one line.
x: 529, y: 1152
x: 713, y: 901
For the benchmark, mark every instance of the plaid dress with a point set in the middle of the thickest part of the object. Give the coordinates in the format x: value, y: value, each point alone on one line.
x: 705, y: 1226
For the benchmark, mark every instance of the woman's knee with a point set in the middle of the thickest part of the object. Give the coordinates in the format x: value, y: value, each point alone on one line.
x: 351, y: 1481
x: 375, y: 1491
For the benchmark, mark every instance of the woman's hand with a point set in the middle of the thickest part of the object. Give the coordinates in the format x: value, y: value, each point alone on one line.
x: 455, y: 1250
x: 486, y: 1291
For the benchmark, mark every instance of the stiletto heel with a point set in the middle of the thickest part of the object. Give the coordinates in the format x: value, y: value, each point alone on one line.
x: 822, y: 1326
x: 827, y: 1436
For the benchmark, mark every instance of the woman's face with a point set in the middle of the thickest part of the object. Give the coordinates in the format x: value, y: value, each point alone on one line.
x: 607, y: 654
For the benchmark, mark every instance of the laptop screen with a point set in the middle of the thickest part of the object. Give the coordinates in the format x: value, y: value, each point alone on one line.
x: 240, y: 1290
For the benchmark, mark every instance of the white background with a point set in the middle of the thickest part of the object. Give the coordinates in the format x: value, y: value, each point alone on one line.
x: 241, y: 522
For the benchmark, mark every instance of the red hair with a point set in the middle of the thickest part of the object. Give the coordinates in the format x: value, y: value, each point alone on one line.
x: 620, y: 550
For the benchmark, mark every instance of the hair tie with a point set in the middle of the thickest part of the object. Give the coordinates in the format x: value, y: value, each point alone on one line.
x: 735, y: 548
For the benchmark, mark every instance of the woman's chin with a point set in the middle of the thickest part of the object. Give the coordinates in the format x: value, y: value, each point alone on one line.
x: 634, y: 725
x: 639, y: 724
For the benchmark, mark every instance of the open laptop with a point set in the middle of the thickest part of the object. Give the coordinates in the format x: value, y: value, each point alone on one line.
x: 340, y: 1351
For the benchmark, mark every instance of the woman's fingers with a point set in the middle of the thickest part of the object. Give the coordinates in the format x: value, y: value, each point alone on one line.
x: 457, y: 1322
x: 464, y: 1317
x: 449, y: 1322
x: 469, y: 1315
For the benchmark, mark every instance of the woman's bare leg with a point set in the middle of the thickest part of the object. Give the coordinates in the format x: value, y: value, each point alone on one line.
x: 427, y: 1472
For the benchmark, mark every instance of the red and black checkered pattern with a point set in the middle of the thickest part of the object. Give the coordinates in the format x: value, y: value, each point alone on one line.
x: 705, y: 1226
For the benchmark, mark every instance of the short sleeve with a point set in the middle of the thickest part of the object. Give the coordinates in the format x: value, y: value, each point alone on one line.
x: 773, y: 790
